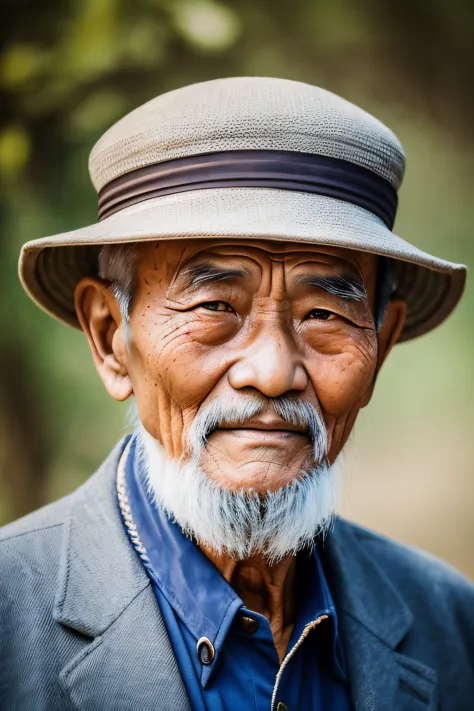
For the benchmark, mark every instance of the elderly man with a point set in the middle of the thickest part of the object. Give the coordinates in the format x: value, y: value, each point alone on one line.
x: 244, y: 286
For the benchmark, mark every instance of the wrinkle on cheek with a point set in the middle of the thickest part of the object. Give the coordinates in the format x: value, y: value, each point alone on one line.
x: 337, y: 437
x: 172, y: 330
x: 160, y: 412
x: 349, y: 423
x: 340, y: 382
x: 339, y: 391
x: 169, y: 387
x: 335, y: 429
x: 341, y: 403
x: 366, y: 345
x: 341, y: 431
x: 171, y: 424
x: 160, y: 327
x: 188, y: 369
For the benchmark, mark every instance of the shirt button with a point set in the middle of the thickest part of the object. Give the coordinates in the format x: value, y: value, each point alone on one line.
x: 205, y: 651
x: 282, y: 707
x: 248, y: 625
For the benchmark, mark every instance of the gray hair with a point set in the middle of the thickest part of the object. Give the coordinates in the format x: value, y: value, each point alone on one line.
x: 117, y: 264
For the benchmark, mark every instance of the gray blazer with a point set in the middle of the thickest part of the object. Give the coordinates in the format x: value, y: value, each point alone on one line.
x: 80, y: 627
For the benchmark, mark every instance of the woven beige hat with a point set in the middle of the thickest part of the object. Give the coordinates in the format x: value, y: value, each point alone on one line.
x: 253, y: 158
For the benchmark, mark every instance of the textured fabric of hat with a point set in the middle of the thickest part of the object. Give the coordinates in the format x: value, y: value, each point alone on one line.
x: 244, y: 114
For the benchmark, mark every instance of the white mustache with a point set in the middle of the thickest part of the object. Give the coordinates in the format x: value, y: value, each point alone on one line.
x: 239, y: 410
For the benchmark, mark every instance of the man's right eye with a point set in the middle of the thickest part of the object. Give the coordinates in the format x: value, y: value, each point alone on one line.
x: 320, y: 314
x: 215, y: 306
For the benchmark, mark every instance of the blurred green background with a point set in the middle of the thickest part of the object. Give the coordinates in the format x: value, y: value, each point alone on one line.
x: 70, y: 68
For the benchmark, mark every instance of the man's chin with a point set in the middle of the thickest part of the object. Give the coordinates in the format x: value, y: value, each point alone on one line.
x: 255, y: 477
x: 244, y: 460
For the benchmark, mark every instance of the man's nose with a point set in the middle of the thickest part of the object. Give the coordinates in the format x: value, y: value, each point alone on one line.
x: 272, y: 364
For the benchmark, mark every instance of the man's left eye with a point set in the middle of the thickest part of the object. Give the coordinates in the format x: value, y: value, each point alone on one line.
x: 216, y: 306
x: 320, y: 314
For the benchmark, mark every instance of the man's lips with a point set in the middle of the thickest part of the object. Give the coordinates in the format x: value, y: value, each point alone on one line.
x: 264, y: 428
x: 262, y: 435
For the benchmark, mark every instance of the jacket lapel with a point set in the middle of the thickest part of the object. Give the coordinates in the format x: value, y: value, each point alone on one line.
x: 105, y: 595
x: 374, y: 621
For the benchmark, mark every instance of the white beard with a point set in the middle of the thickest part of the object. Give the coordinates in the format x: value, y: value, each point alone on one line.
x: 241, y: 524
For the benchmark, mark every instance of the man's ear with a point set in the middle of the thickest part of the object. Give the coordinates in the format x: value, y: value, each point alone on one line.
x: 392, y: 326
x: 101, y: 321
x: 388, y: 335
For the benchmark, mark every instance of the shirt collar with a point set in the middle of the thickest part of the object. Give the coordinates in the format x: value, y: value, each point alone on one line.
x: 193, y: 586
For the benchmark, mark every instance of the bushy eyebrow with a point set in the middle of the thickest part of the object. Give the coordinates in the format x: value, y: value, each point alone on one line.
x: 200, y: 274
x: 344, y: 287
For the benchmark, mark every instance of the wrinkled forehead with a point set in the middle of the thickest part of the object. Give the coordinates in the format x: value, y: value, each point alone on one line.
x: 171, y: 258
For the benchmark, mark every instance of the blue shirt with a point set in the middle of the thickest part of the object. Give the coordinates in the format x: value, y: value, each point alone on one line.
x: 196, y: 602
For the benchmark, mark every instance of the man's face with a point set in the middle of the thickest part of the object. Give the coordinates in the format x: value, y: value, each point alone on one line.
x: 220, y: 319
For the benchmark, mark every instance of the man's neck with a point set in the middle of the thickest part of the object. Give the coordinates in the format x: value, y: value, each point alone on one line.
x: 263, y: 588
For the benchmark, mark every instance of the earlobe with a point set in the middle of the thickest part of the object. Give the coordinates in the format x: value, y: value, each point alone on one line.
x: 100, y: 319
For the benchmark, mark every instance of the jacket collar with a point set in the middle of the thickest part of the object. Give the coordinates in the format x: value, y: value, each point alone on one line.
x: 360, y: 587
x: 104, y: 593
x: 374, y: 621
x: 100, y: 573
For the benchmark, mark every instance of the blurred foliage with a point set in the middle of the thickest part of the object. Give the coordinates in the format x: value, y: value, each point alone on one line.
x: 70, y: 68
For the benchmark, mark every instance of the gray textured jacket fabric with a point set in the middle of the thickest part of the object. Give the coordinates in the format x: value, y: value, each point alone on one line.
x: 80, y: 628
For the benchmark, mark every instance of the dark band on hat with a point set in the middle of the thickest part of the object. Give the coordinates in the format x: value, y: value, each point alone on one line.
x: 283, y: 170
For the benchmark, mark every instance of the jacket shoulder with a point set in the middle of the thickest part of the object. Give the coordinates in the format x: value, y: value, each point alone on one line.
x: 49, y: 516
x: 30, y: 555
x: 418, y: 576
x: 32, y: 560
x: 52, y: 515
x: 30, y: 547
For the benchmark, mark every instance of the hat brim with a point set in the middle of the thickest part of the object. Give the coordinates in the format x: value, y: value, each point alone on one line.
x: 50, y: 268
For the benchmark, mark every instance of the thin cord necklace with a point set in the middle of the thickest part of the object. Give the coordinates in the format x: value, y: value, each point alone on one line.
x: 125, y: 509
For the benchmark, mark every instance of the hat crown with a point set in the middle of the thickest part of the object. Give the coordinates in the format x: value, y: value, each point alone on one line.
x: 246, y: 113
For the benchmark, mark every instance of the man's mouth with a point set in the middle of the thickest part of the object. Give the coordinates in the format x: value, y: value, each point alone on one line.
x: 264, y: 436
x: 264, y: 429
